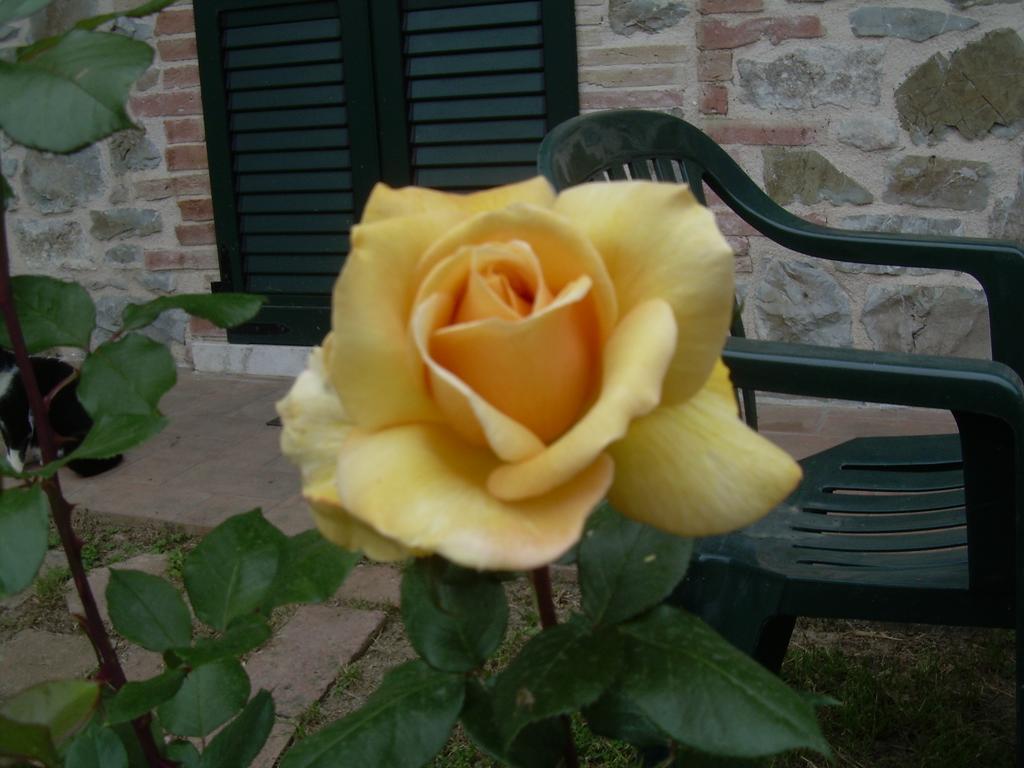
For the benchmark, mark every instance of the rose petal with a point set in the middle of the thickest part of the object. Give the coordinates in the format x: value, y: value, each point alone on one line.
x: 658, y: 241
x: 540, y: 371
x: 339, y: 527
x: 563, y: 252
x: 635, y: 360
x: 423, y: 486
x: 695, y: 469
x: 371, y: 308
x: 469, y: 414
x: 386, y: 202
x: 314, y: 427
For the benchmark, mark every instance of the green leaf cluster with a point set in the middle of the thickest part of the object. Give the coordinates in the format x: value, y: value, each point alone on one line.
x: 122, y: 380
x: 636, y: 668
x: 233, y: 579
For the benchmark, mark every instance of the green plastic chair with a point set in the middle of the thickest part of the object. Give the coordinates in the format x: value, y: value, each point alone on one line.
x: 911, y: 529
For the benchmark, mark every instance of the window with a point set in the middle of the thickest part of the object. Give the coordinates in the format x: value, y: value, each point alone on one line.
x: 309, y: 103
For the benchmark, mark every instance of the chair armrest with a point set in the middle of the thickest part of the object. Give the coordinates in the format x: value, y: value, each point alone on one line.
x: 956, y: 384
x: 997, y: 266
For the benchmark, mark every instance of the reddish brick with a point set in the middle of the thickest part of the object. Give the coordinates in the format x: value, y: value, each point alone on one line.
x: 186, y: 131
x: 798, y: 27
x: 635, y: 98
x: 715, y: 35
x: 179, y: 49
x: 741, y: 132
x: 196, y: 210
x: 199, y: 258
x: 197, y: 184
x: 167, y: 104
x: 714, y: 100
x: 186, y: 157
x: 731, y: 6
x: 714, y: 66
x: 175, y: 22
x: 186, y: 76
x: 195, y: 234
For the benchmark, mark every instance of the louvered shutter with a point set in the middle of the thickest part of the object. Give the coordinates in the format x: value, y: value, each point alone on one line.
x: 481, y: 83
x: 309, y: 102
x: 291, y: 136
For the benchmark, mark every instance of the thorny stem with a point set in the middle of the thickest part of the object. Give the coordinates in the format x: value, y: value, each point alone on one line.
x: 548, y: 618
x: 111, y: 671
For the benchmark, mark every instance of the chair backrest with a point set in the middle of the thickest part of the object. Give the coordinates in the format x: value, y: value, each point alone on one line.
x: 634, y: 144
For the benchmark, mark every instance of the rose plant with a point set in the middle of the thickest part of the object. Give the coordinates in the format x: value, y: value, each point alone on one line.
x: 233, y: 579
x: 499, y: 363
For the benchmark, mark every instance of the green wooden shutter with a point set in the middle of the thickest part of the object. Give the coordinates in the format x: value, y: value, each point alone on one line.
x: 481, y: 83
x: 309, y: 102
x: 292, y: 139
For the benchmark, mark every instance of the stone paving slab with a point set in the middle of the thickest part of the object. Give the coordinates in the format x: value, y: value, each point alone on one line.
x: 302, y: 659
x: 34, y: 656
x: 380, y: 584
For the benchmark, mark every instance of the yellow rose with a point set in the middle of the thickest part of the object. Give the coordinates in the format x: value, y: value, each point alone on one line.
x: 500, y: 362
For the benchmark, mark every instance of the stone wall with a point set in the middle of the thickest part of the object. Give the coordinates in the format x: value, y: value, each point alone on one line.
x: 130, y: 218
x: 899, y: 117
x: 906, y: 118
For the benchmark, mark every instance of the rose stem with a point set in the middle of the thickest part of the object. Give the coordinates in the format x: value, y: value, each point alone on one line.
x: 548, y: 618
x: 110, y: 665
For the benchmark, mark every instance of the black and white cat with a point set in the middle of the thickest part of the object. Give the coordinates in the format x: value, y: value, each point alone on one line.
x: 67, y: 416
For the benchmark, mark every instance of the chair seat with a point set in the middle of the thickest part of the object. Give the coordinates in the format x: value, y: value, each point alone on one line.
x: 877, y: 530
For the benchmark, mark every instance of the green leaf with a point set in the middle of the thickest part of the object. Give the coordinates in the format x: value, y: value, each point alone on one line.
x: 27, y: 741
x: 135, y: 699
x: 142, y: 10
x: 72, y: 93
x: 404, y: 723
x: 244, y: 634
x: 126, y: 377
x: 111, y: 435
x: 538, y: 745
x: 222, y: 309
x: 232, y: 570
x: 53, y: 313
x: 704, y: 693
x: 62, y: 707
x: 210, y: 696
x: 626, y: 567
x: 96, y: 747
x: 237, y: 745
x: 184, y: 753
x: 455, y: 618
x: 24, y: 527
x: 12, y: 10
x: 311, y: 570
x: 148, y: 610
x: 614, y: 716
x: 558, y: 671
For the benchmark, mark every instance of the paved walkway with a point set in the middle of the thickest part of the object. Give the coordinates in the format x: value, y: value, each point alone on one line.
x: 219, y: 456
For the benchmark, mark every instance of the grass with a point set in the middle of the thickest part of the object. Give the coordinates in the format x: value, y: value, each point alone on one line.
x: 49, y: 588
x: 910, y: 696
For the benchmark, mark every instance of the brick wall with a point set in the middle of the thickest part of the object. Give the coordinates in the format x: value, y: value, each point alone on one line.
x: 831, y: 105
x: 810, y: 96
